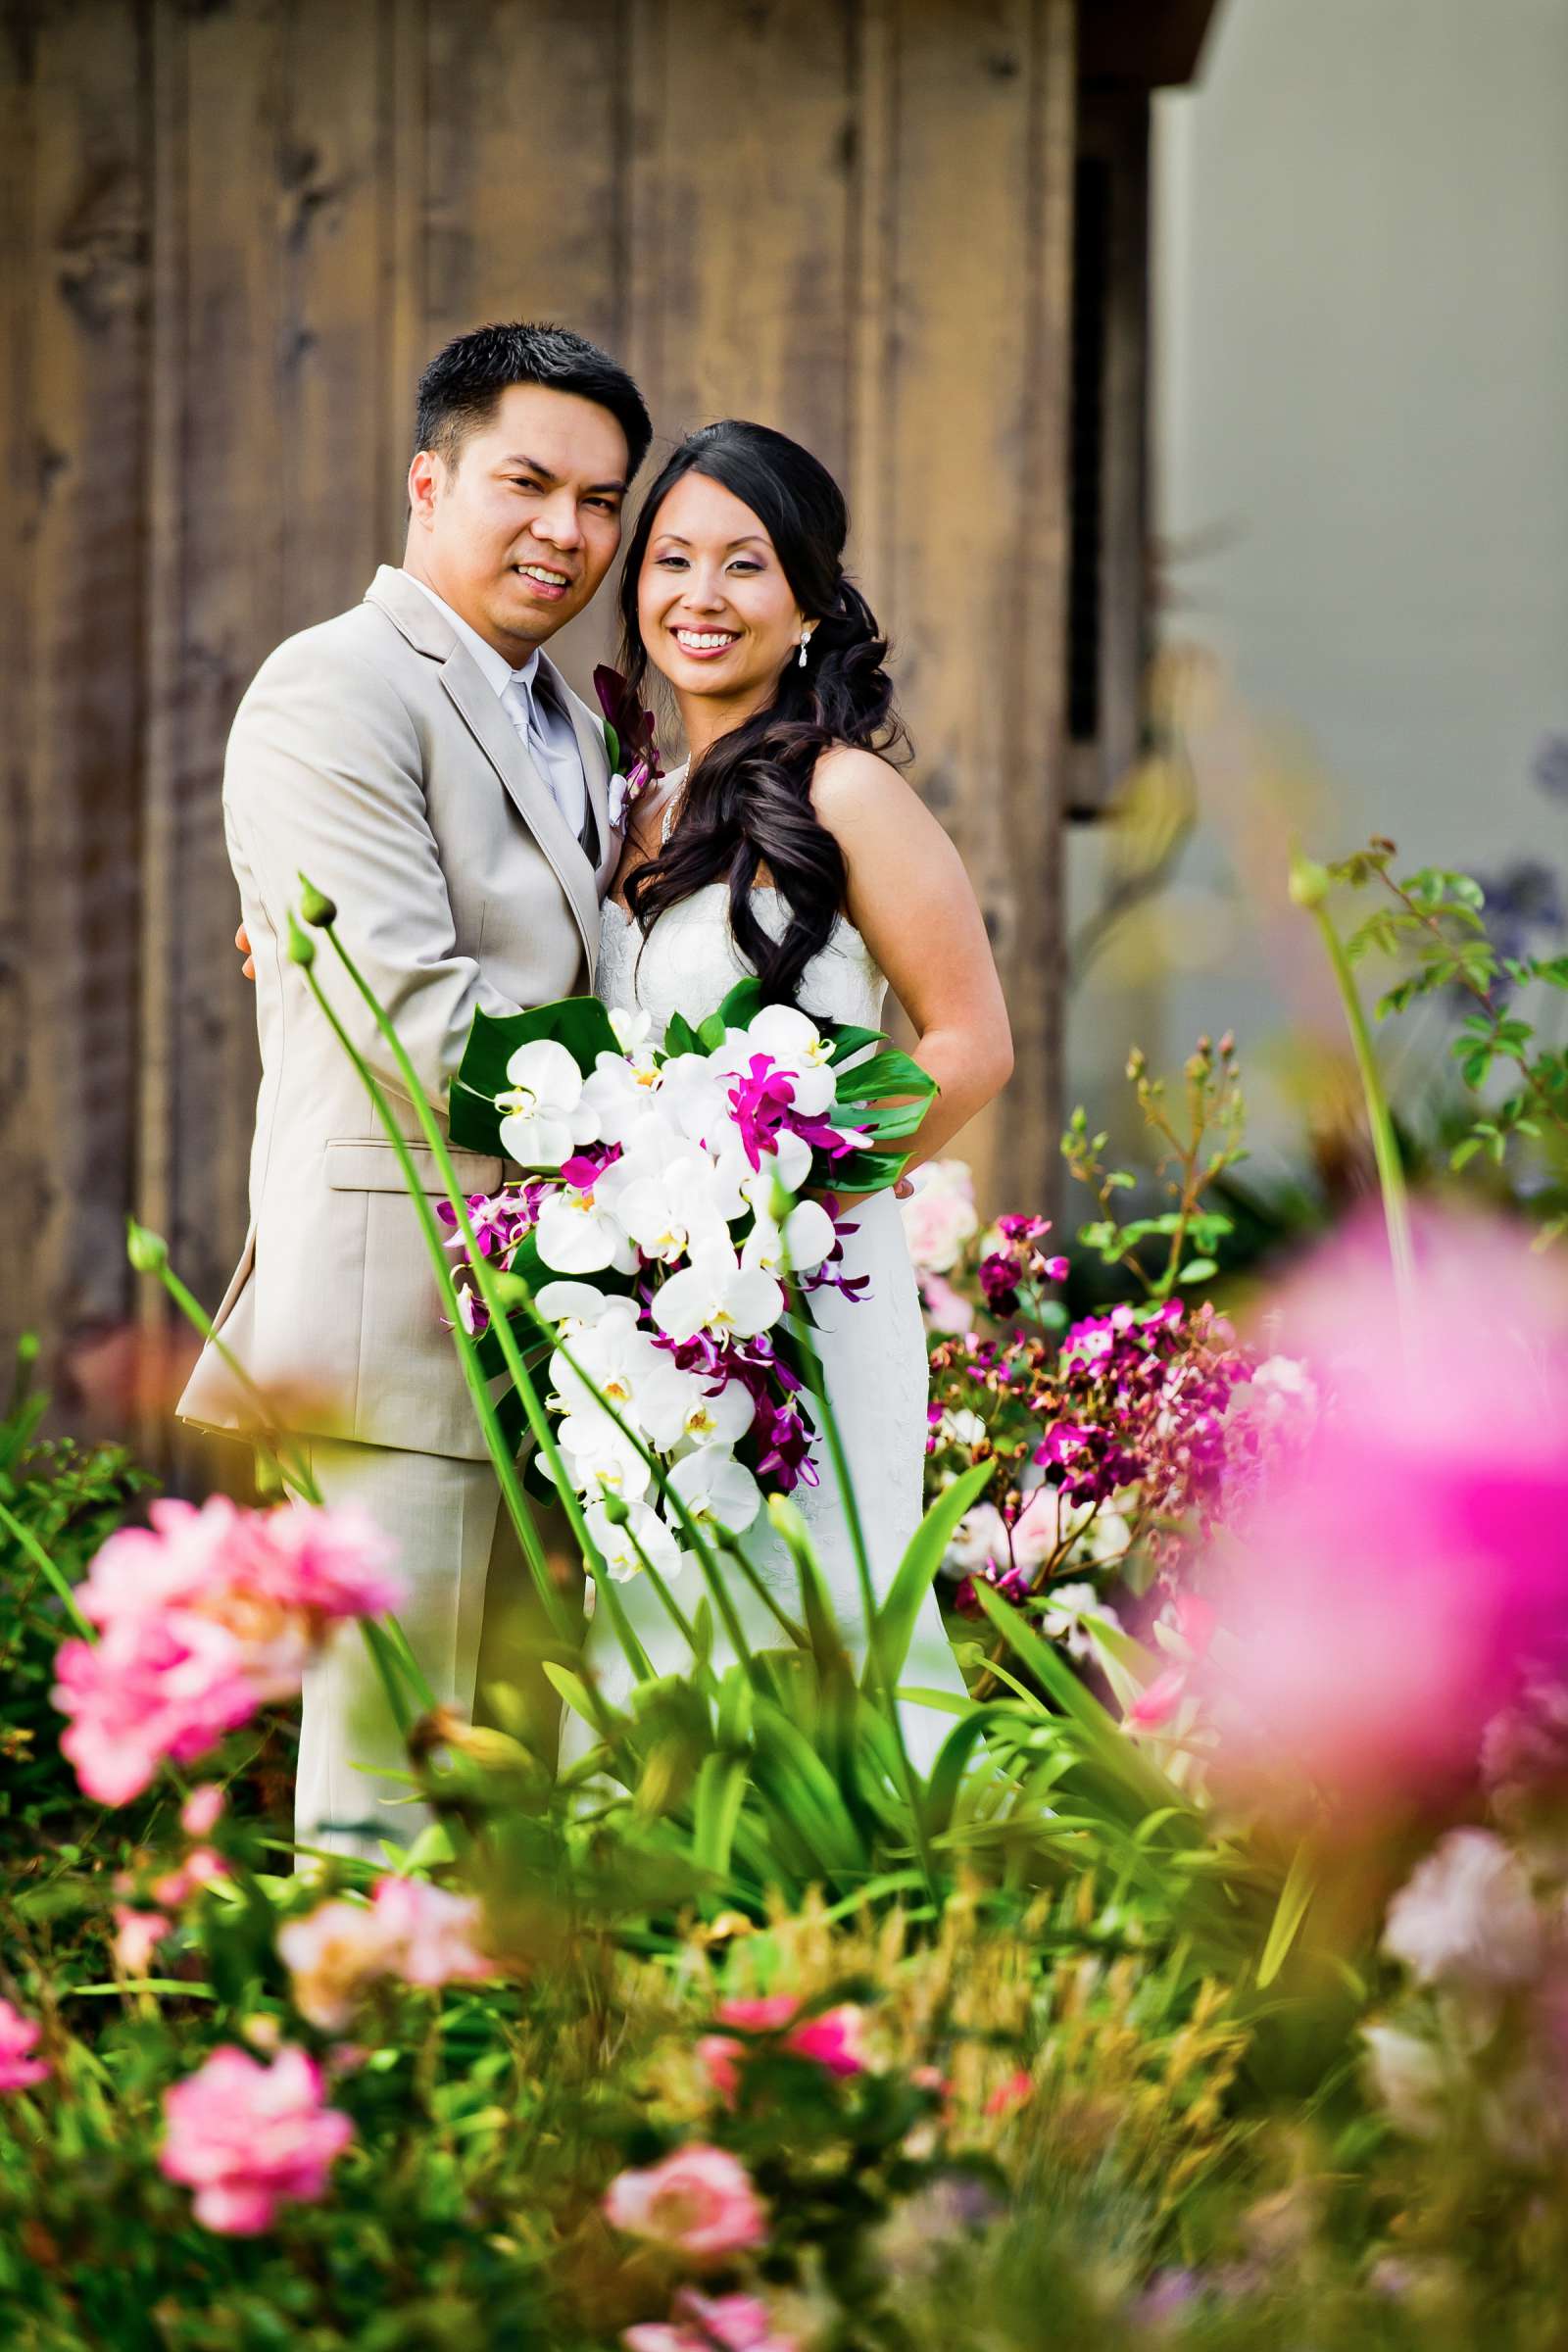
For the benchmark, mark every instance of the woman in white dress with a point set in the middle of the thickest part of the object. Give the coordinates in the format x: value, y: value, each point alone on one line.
x: 789, y: 846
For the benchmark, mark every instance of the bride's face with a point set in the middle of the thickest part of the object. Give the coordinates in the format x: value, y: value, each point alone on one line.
x: 717, y: 614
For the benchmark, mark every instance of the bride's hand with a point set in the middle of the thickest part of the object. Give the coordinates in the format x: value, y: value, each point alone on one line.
x: 242, y: 941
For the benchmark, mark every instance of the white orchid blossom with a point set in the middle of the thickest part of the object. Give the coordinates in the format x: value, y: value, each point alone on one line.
x: 624, y: 1549
x: 578, y: 1235
x: 717, y: 1420
x: 674, y: 1209
x: 545, y: 1116
x: 795, y: 1044
x: 715, y: 1293
x: 716, y: 1489
x: 799, y: 1244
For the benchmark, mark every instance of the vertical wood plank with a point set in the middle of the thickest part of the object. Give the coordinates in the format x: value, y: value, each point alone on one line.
x: 961, y: 374
x: 521, y: 207
x: 219, y: 509
x: 330, y: 193
x: 76, y: 240
x: 744, y: 146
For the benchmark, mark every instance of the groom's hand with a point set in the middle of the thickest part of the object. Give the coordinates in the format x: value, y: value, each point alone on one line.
x: 242, y: 941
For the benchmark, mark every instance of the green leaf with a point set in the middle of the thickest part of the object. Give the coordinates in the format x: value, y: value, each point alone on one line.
x: 889, y: 1073
x: 1197, y: 1269
x: 848, y: 1039
x: 680, y: 1037
x: 743, y: 1003
x: 716, y: 1809
x: 579, y: 1023
x: 895, y: 1618
x: 1300, y: 1884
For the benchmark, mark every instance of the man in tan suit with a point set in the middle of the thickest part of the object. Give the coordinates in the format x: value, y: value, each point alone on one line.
x: 425, y: 765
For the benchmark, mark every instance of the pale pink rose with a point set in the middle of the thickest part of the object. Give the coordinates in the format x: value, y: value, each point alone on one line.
x: 945, y: 1309
x: 137, y: 1936
x: 18, y: 2069
x: 201, y: 1866
x: 202, y: 1810
x: 699, y: 2323
x: 433, y: 1935
x: 144, y: 1692
x: 248, y: 2138
x: 1466, y: 1915
x: 333, y: 1955
x: 700, y: 2201
x: 938, y: 1216
x: 1409, y: 1562
x: 205, y: 1615
x: 758, y: 2013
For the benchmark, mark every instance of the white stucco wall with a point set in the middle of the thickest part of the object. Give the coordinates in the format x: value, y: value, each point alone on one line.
x: 1361, y: 403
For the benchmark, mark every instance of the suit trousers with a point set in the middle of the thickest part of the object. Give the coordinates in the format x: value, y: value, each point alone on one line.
x: 468, y: 1602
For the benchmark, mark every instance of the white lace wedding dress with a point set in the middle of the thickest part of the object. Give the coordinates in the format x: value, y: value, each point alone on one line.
x: 872, y: 1348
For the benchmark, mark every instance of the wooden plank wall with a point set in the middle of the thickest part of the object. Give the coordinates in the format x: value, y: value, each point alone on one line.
x: 235, y: 228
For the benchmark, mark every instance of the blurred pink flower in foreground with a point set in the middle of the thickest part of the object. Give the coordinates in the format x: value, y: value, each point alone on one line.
x: 700, y: 2201
x: 18, y: 2069
x: 246, y: 2137
x: 1405, y: 1568
x: 204, y: 1616
x: 833, y: 2039
x: 738, y: 2323
x: 420, y: 1934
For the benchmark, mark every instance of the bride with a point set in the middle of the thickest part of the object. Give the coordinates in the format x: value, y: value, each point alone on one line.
x: 789, y: 846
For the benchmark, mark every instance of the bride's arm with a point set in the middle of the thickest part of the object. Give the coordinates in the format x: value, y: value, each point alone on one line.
x: 910, y: 901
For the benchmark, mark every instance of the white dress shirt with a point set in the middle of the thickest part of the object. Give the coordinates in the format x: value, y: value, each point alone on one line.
x: 537, y: 716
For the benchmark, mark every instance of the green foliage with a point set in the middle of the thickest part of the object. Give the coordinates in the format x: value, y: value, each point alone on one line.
x: 1193, y: 1151
x: 67, y: 1498
x: 1430, y: 922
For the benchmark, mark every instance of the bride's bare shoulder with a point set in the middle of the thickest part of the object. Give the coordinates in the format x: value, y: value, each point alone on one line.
x: 852, y: 787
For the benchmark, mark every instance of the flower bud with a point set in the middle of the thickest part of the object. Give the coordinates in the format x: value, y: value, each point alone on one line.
x: 316, y: 907
x: 616, y: 1508
x: 511, y: 1290
x: 1310, y: 882
x: 301, y: 946
x: 147, y: 1252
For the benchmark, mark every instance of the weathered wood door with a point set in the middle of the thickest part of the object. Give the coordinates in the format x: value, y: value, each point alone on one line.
x: 233, y: 229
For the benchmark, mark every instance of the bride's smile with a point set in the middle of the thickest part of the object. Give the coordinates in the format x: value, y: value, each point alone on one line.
x: 718, y: 617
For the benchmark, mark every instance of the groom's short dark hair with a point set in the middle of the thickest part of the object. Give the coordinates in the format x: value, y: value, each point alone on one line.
x: 460, y: 388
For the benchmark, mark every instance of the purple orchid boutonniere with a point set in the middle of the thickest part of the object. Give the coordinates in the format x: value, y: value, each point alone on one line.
x: 634, y: 762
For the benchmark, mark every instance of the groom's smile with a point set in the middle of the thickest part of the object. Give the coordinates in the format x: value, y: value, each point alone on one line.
x: 517, y: 528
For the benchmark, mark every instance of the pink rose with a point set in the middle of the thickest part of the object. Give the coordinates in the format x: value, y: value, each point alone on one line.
x: 202, y: 1810
x: 248, y: 2138
x: 938, y: 1216
x: 18, y: 2069
x: 204, y: 1616
x: 831, y: 2041
x: 738, y: 2323
x: 137, y: 1936
x: 700, y: 2201
x: 432, y: 1933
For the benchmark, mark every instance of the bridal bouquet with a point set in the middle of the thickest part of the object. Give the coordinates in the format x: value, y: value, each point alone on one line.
x: 665, y: 1226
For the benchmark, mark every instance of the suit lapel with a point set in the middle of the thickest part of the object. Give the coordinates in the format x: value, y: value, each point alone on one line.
x: 411, y: 612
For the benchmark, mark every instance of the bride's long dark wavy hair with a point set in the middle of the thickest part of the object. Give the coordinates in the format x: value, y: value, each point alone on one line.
x: 747, y: 801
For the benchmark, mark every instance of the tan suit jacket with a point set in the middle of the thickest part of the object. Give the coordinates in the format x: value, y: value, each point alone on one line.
x: 371, y: 754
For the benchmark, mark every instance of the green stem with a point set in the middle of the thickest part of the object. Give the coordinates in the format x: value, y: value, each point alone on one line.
x: 521, y: 1516
x: 293, y: 1469
x: 1385, y: 1142
x: 41, y: 1560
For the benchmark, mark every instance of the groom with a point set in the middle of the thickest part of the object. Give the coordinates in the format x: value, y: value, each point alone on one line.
x: 425, y: 765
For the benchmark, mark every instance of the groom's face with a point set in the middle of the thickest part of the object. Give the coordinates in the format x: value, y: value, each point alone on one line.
x: 518, y: 532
